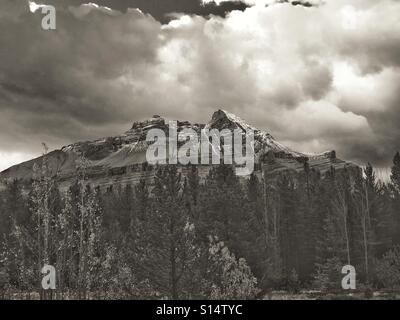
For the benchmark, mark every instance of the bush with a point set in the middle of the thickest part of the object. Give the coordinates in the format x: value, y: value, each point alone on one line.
x: 388, y: 269
x: 329, y: 277
x: 4, y: 279
x: 293, y: 283
x: 229, y: 278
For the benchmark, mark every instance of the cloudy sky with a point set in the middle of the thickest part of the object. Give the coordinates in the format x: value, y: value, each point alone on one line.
x: 318, y: 75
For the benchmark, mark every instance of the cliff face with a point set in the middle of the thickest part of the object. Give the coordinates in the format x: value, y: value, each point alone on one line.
x: 122, y: 159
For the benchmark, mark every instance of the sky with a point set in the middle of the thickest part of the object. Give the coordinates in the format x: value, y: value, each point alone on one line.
x: 318, y: 75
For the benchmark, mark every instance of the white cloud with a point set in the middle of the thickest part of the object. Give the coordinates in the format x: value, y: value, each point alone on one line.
x: 33, y: 6
x: 7, y: 159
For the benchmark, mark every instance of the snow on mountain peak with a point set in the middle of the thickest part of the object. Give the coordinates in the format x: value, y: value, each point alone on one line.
x: 223, y: 119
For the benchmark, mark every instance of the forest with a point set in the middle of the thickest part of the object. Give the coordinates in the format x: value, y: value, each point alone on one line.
x: 183, y: 237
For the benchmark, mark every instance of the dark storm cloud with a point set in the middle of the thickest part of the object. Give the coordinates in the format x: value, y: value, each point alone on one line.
x: 63, y: 83
x: 161, y: 9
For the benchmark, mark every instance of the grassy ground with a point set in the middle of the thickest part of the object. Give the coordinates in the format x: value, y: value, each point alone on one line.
x: 315, y: 295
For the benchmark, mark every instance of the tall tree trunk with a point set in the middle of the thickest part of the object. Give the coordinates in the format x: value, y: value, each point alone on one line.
x: 39, y: 250
x: 365, y: 218
x: 174, y: 290
x: 266, y: 219
x: 81, y: 257
x: 346, y: 232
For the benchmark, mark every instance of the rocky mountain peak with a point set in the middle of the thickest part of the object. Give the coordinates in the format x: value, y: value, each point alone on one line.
x: 155, y: 121
x: 222, y: 119
x: 121, y: 157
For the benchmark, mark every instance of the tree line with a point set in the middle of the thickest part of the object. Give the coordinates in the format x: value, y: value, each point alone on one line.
x: 221, y: 237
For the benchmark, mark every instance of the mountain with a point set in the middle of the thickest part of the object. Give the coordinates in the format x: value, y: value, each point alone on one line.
x: 122, y: 159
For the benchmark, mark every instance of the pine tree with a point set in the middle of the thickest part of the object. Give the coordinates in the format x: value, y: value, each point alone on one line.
x: 13, y: 206
x: 338, y: 223
x: 333, y: 246
x: 361, y: 196
x: 289, y: 226
x: 142, y: 196
x: 222, y: 205
x: 312, y: 207
x: 382, y: 220
x: 395, y: 175
x: 166, y: 252
x: 255, y: 232
x: 15, y: 255
x: 395, y: 187
x: 192, y: 191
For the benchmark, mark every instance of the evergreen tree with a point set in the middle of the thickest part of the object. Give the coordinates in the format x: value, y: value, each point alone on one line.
x: 192, y: 189
x: 289, y: 226
x: 222, y: 205
x: 395, y: 174
x: 166, y: 252
x: 312, y: 209
x: 395, y: 187
x: 254, y: 236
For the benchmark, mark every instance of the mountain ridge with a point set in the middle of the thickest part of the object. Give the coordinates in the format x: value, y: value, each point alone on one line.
x: 122, y: 158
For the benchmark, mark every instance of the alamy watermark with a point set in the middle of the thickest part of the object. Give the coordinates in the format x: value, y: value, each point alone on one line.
x: 49, y: 20
x: 49, y: 279
x: 204, y: 148
x: 349, y: 280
